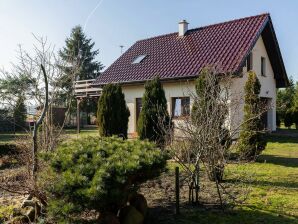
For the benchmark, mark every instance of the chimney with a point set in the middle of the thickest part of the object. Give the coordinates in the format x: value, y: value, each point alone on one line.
x: 183, y: 27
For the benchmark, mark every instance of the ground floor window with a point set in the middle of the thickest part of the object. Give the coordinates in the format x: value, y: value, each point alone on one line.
x: 180, y: 106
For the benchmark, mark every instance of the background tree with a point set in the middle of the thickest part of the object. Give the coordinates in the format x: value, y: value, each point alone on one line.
x: 295, y: 117
x: 288, y: 118
x: 252, y: 141
x: 112, y: 112
x: 20, y: 113
x: 285, y: 101
x: 295, y: 106
x: 154, y: 114
x: 78, y: 55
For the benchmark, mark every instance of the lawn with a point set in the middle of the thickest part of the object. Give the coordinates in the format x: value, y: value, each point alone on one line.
x: 10, y: 137
x: 91, y: 131
x: 272, y: 192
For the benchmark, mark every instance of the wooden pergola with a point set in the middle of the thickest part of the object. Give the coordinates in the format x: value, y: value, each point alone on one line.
x: 84, y: 89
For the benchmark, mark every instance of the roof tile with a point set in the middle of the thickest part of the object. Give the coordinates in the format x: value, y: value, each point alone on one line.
x: 169, y: 56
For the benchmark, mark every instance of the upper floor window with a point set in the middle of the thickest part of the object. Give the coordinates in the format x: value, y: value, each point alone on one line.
x: 180, y: 106
x: 249, y: 63
x: 263, y: 66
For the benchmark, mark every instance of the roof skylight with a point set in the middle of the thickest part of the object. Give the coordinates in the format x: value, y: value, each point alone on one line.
x: 139, y: 59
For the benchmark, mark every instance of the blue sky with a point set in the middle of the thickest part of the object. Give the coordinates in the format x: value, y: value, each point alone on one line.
x: 123, y: 22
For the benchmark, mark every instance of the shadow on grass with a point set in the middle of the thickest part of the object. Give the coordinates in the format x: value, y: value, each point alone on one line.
x: 264, y: 183
x: 202, y: 215
x: 284, y: 136
x: 277, y: 160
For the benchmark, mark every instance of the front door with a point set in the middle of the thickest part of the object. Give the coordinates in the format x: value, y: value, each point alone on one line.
x: 265, y: 104
x: 264, y: 119
x: 138, y: 109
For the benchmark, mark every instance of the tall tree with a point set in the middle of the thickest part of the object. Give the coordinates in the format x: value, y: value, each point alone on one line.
x: 154, y: 114
x: 81, y: 64
x: 252, y: 141
x: 112, y: 112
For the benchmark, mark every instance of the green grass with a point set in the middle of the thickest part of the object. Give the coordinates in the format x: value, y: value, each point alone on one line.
x: 93, y: 131
x: 273, y: 197
x: 10, y: 137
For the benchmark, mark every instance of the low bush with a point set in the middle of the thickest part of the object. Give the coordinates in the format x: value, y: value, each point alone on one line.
x: 99, y: 174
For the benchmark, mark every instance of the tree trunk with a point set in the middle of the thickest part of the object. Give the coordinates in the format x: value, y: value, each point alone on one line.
x: 37, y: 124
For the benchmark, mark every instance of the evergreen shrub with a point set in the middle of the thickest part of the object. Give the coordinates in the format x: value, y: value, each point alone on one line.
x: 112, y: 112
x: 154, y: 121
x: 252, y: 140
x: 99, y: 174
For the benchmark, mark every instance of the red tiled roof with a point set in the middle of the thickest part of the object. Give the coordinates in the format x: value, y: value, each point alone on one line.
x: 169, y: 56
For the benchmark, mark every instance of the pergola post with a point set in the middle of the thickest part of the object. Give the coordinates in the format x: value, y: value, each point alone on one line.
x: 78, y: 115
x: 84, y: 89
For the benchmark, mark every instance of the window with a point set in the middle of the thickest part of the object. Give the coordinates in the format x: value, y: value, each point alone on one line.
x: 263, y: 66
x: 249, y: 62
x: 138, y: 59
x: 180, y: 106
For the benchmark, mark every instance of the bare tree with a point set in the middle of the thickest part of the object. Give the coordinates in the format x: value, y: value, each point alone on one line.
x: 204, y: 138
x: 37, y: 73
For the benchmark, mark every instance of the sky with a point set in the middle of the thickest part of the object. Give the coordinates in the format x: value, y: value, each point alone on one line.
x: 111, y: 23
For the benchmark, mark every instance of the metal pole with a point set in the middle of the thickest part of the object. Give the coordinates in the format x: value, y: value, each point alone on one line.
x: 177, y: 190
x: 78, y: 116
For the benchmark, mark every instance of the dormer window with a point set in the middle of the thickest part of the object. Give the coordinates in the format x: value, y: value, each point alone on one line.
x: 139, y: 59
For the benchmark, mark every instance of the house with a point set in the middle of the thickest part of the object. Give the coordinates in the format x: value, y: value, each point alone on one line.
x: 238, y: 46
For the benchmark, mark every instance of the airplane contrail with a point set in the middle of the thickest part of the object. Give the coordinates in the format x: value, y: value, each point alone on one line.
x: 92, y: 12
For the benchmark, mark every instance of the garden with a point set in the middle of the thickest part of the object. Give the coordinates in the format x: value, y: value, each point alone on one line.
x: 172, y: 172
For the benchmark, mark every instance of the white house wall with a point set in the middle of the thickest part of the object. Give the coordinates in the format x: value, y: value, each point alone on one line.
x: 175, y: 89
x: 268, y: 84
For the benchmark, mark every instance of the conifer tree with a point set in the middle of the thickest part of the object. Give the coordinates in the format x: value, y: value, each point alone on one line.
x: 112, y: 112
x: 80, y: 64
x: 19, y: 113
x: 252, y: 141
x: 154, y: 120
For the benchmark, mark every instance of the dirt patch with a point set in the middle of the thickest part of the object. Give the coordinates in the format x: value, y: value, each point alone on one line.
x: 160, y: 195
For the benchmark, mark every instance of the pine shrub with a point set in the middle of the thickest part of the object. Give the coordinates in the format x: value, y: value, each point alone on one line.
x: 112, y: 113
x: 99, y: 174
x: 154, y: 121
x: 252, y: 140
